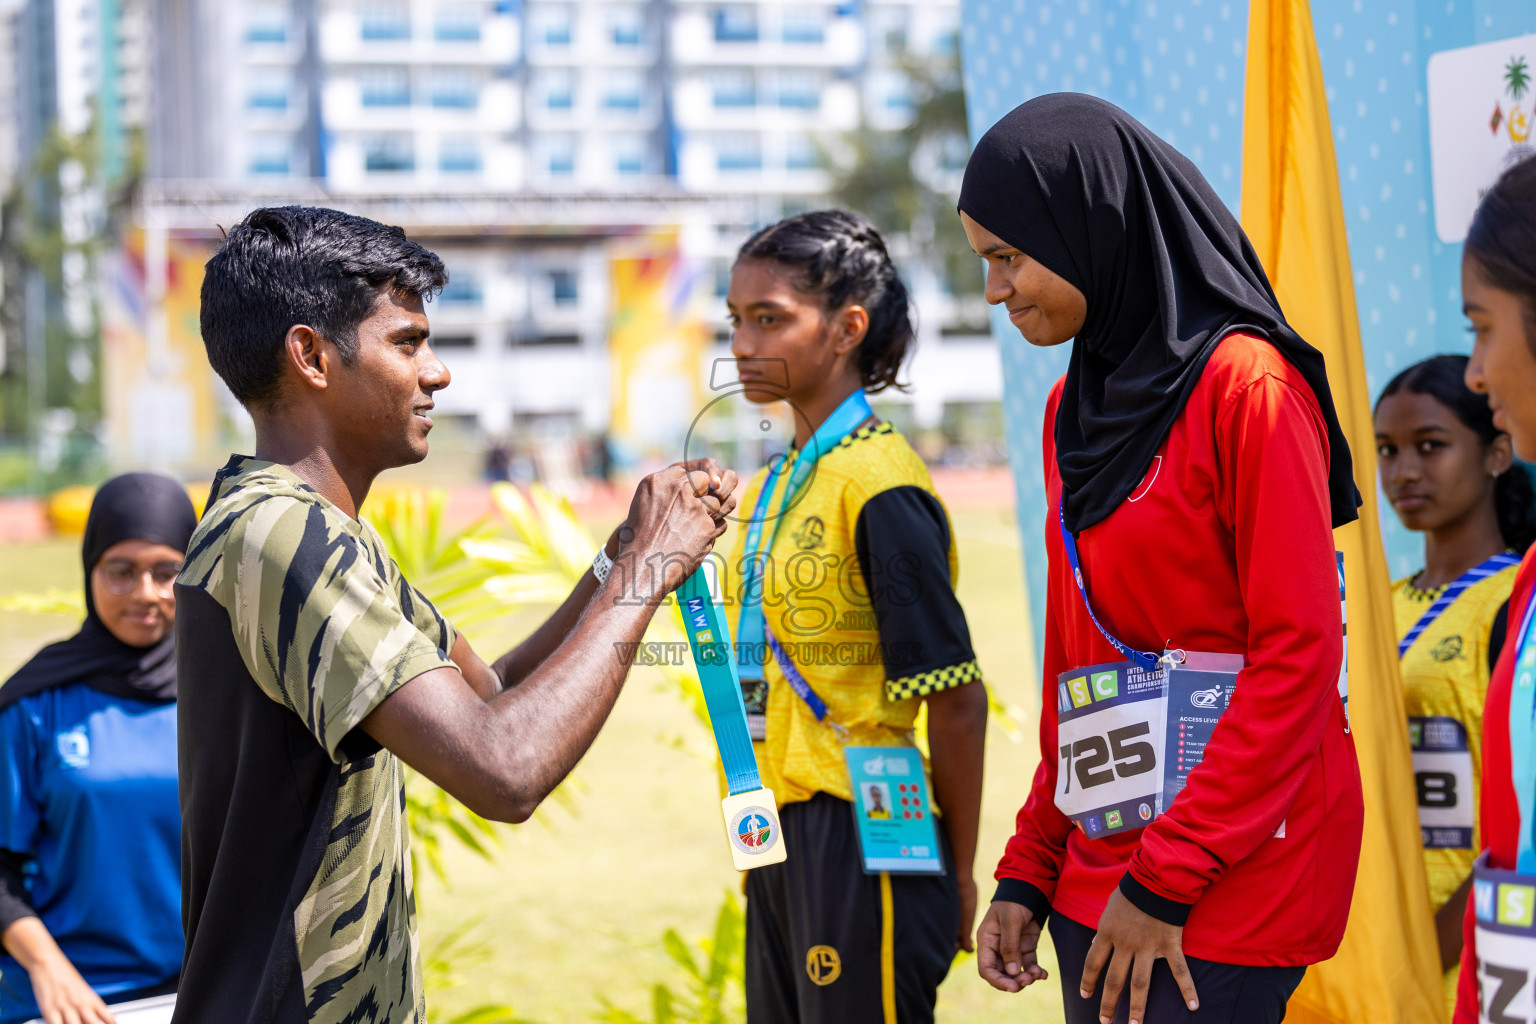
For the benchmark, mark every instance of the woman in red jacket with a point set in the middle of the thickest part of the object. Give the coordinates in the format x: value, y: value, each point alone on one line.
x: 1498, y: 294
x: 1195, y: 470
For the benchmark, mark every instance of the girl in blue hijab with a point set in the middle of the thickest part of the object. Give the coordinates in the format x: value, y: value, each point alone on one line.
x: 90, y: 830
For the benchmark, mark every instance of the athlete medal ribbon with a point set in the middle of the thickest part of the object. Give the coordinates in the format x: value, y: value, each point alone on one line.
x: 751, y: 816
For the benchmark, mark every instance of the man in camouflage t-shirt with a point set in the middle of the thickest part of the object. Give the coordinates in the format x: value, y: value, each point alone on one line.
x: 311, y: 671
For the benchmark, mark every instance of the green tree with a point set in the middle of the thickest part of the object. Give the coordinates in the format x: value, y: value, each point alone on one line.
x: 906, y: 181
x: 1517, y: 77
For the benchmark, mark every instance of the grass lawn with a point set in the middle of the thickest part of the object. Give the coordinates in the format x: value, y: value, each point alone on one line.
x: 574, y: 905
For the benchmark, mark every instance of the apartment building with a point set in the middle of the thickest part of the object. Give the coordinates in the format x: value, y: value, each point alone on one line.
x: 411, y: 106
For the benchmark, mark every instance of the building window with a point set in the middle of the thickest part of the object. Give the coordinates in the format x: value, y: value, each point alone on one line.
x: 457, y: 23
x: 626, y: 27
x: 559, y: 92
x: 455, y: 88
x: 560, y: 157
x: 556, y: 25
x: 270, y: 154
x: 385, y: 87
x: 802, y: 154
x: 735, y: 25
x: 266, y: 25
x: 954, y: 154
x: 734, y: 153
x: 384, y: 22
x: 623, y: 92
x: 889, y: 26
x: 458, y: 156
x: 562, y: 287
x: 948, y: 42
x: 453, y: 341
x: 463, y: 289
x: 268, y: 89
x: 804, y: 25
x: 629, y: 156
x: 799, y: 91
x: 389, y: 154
x: 735, y: 89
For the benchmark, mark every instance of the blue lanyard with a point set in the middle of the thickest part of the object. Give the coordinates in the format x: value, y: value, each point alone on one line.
x: 797, y: 681
x: 1522, y: 738
x: 1497, y: 563
x: 709, y: 637
x: 1145, y: 659
x: 751, y: 630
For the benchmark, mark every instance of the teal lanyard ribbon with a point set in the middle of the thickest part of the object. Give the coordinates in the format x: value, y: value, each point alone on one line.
x: 794, y: 473
x: 710, y: 639
x: 1522, y: 738
x: 709, y: 634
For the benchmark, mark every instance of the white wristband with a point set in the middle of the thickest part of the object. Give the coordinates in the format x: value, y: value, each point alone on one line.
x: 602, y: 565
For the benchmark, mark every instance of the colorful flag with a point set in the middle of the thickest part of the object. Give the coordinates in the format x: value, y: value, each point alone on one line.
x: 1388, y: 968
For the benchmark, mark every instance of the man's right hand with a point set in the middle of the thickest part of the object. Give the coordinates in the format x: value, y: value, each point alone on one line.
x: 1005, y: 947
x: 674, y: 519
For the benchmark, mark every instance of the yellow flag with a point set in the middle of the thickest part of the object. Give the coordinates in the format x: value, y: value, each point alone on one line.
x: 1388, y: 969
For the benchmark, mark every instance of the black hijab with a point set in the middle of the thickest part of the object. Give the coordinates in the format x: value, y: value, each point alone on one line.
x: 1081, y: 186
x: 136, y: 506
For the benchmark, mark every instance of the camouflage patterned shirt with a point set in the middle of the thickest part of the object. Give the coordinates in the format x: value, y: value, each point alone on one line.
x: 293, y: 625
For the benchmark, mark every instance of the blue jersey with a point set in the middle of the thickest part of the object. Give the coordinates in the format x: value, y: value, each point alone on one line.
x: 89, y: 795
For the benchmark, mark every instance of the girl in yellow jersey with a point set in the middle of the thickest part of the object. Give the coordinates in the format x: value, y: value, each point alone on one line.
x: 1450, y: 474
x: 840, y: 588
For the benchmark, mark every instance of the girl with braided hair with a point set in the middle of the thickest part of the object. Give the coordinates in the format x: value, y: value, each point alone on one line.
x: 1450, y: 474
x: 847, y: 624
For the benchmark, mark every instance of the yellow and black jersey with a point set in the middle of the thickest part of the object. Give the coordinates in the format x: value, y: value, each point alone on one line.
x: 1445, y: 676
x: 858, y: 589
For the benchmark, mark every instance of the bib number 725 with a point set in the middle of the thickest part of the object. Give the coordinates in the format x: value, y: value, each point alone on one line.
x: 1090, y: 756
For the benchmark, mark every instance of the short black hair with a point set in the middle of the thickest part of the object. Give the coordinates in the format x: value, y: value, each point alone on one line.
x: 288, y: 265
x: 840, y: 257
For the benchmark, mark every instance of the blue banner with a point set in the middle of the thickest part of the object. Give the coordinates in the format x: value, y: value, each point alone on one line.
x: 1179, y: 66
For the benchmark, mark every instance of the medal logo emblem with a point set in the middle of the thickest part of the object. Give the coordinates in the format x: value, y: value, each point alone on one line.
x: 753, y: 830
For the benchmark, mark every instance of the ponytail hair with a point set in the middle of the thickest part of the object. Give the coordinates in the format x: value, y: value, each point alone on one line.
x: 1443, y: 378
x: 1502, y: 238
x: 841, y: 259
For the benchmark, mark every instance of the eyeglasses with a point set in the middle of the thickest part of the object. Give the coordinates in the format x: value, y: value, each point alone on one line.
x: 122, y: 578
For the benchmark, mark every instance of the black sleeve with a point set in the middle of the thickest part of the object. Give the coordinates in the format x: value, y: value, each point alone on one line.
x: 1016, y: 890
x: 14, y: 904
x: 902, y: 542
x: 1496, y: 634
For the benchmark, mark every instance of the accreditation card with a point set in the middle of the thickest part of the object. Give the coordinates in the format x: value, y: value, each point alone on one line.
x: 1442, y: 776
x: 1110, y: 735
x: 1129, y: 736
x: 1504, y: 907
x: 895, y: 821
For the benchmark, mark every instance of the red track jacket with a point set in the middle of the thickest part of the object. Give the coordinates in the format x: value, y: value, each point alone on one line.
x: 1499, y: 810
x: 1225, y: 546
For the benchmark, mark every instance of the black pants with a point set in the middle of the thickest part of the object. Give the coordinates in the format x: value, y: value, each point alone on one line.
x: 817, y: 926
x: 1229, y: 994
